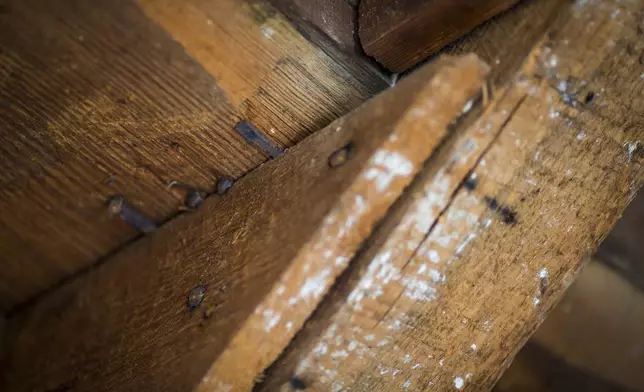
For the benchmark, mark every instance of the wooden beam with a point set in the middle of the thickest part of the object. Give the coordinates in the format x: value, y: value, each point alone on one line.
x: 447, y: 306
x: 399, y: 34
x: 123, y: 97
x: 335, y: 18
x: 253, y: 264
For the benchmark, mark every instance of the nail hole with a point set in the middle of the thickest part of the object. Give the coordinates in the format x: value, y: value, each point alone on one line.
x: 589, y: 97
x: 297, y: 383
x: 340, y: 156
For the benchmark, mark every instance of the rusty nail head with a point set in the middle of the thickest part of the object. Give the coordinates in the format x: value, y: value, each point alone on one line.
x: 195, y: 297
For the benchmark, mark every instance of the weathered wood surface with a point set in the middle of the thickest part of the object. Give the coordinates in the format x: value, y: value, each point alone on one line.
x: 399, y: 34
x: 265, y: 254
x: 449, y: 307
x: 121, y: 97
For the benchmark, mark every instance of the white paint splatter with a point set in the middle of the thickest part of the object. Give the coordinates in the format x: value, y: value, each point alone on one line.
x: 387, y: 165
x: 543, y: 273
x: 268, y: 32
x: 434, y: 257
x: 459, y: 382
x: 271, y: 319
x: 473, y: 347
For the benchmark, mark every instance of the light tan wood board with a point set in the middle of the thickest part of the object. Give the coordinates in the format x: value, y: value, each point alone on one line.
x: 448, y: 309
x: 120, y: 97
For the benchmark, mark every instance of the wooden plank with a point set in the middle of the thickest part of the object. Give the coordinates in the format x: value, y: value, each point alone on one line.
x: 101, y: 99
x: 297, y: 219
x: 448, y: 308
x: 336, y: 18
x: 399, y: 34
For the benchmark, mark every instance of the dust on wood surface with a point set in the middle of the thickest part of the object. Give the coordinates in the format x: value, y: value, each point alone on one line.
x: 399, y: 34
x: 448, y: 309
x: 122, y: 97
x: 300, y: 218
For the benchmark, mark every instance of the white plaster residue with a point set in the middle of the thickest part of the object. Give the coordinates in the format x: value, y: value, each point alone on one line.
x: 435, y: 196
x: 339, y: 354
x: 383, y: 343
x: 459, y: 382
x: 387, y: 165
x: 320, y: 349
x: 535, y: 301
x: 268, y: 32
x: 314, y: 286
x: 416, y: 366
x: 474, y: 347
x: 419, y: 289
x: 406, y: 358
x: 369, y: 338
x: 281, y: 289
x: 581, y: 135
x: 543, y: 273
x: 271, y: 319
x: 352, y: 345
x: 436, y: 276
x: 341, y: 261
x: 289, y: 325
x: 433, y: 255
x: 406, y: 384
x: 396, y: 324
x: 441, y: 362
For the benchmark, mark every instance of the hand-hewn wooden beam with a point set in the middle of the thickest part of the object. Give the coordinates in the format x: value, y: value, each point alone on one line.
x: 123, y: 97
x: 253, y: 264
x: 400, y: 34
x: 451, y: 287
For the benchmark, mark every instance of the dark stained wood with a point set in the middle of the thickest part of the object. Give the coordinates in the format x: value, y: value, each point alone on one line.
x: 118, y: 97
x: 163, y: 312
x: 336, y: 18
x: 399, y: 34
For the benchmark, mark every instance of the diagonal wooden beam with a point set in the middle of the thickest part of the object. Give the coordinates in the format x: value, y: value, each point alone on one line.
x: 222, y: 291
x: 453, y: 285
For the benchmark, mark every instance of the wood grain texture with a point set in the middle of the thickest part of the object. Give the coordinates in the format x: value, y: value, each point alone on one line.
x: 399, y: 34
x: 100, y: 99
x: 448, y: 309
x: 126, y: 325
